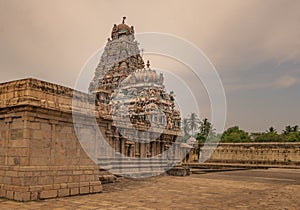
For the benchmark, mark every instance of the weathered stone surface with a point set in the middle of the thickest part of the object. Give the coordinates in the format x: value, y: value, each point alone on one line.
x: 84, y: 190
x: 179, y: 171
x: 286, y: 153
x: 246, y: 189
x: 48, y: 194
x: 38, y: 144
x: 9, y: 194
x: 74, y: 191
x: 63, y: 192
x: 22, y: 196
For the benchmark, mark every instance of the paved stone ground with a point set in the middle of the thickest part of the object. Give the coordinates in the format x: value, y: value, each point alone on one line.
x: 246, y: 189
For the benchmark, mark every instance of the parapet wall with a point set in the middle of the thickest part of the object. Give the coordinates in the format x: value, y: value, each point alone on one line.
x: 40, y: 156
x: 256, y: 153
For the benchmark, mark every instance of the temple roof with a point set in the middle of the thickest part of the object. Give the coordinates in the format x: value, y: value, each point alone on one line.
x: 121, y: 29
x: 121, y: 54
x: 144, y: 75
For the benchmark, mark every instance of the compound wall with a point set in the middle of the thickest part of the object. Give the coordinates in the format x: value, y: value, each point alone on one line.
x: 256, y: 153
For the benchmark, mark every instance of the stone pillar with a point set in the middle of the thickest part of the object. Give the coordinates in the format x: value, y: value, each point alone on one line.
x: 123, y: 149
x: 141, y: 145
x: 108, y: 138
x: 137, y: 149
x: 117, y: 144
x: 153, y: 148
x: 132, y: 150
x: 162, y: 146
x: 148, y: 149
x: 140, y: 149
x: 158, y: 144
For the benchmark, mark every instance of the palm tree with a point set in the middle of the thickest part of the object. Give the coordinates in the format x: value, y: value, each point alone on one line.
x: 205, y: 127
x: 295, y: 128
x: 193, y: 122
x: 206, y: 132
x: 185, y: 126
x: 271, y: 130
x: 288, y: 129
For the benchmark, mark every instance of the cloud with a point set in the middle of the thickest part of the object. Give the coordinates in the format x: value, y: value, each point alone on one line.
x: 253, y: 44
x: 236, y: 35
x: 285, y: 82
x: 247, y: 33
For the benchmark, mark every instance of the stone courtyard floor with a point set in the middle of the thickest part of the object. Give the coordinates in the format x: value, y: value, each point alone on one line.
x: 245, y: 189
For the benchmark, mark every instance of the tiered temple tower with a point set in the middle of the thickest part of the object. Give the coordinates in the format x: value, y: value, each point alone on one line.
x: 134, y: 98
x: 141, y: 100
x: 120, y: 58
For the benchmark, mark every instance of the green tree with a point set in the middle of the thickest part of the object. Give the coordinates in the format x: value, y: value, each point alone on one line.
x: 205, y: 127
x: 268, y: 137
x: 295, y: 128
x: 185, y: 126
x: 288, y: 129
x: 292, y: 137
x: 193, y: 122
x: 234, y: 134
x: 206, y: 131
x: 291, y: 133
x: 271, y: 130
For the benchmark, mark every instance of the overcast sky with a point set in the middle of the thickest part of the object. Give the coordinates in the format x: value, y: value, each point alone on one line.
x: 253, y: 44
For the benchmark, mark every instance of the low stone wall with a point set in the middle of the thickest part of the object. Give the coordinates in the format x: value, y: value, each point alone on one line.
x: 255, y: 153
x: 40, y: 156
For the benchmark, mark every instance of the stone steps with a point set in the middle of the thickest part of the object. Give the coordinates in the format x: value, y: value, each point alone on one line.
x: 134, y: 167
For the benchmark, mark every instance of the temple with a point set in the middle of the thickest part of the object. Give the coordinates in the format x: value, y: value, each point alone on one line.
x: 133, y: 96
x: 50, y: 143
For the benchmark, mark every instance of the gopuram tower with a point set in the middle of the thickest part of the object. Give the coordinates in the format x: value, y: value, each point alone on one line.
x: 145, y: 120
x: 120, y: 58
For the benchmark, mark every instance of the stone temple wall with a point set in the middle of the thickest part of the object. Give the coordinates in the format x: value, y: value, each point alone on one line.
x: 256, y: 153
x: 40, y: 156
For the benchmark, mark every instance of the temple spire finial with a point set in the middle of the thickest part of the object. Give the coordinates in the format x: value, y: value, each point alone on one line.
x: 124, y: 18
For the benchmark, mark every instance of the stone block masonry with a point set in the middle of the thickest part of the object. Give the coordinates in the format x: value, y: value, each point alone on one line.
x: 283, y: 153
x: 40, y: 156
